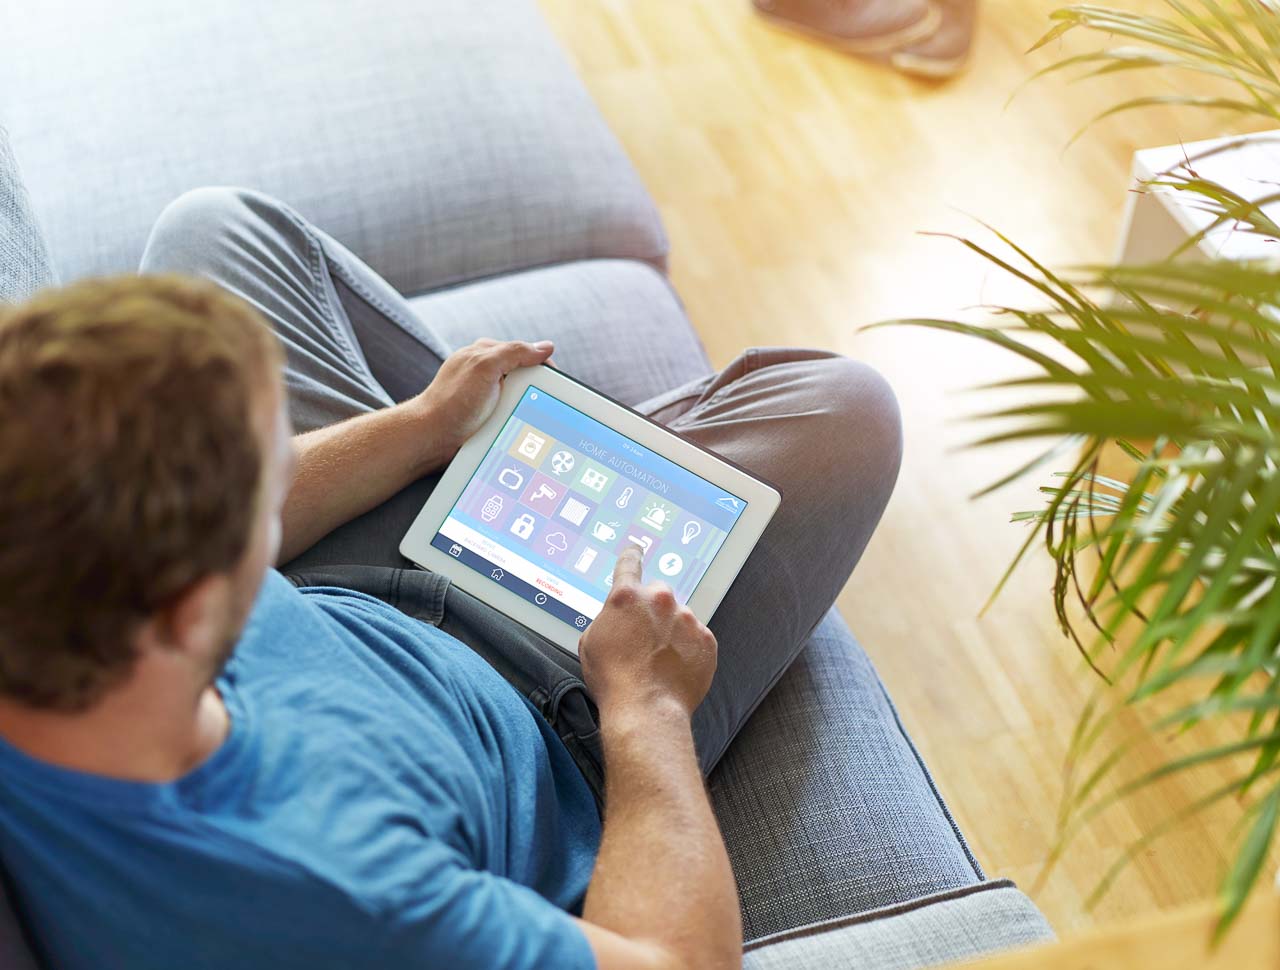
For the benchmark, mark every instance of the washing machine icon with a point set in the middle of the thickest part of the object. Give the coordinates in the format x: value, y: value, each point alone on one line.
x: 522, y: 527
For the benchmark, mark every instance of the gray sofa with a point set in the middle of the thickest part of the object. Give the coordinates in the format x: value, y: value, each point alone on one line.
x: 449, y: 144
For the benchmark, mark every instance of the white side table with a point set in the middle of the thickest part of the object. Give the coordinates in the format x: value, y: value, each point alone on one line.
x: 1158, y: 220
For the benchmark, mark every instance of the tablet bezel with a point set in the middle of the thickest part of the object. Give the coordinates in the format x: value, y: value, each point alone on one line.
x: 762, y: 500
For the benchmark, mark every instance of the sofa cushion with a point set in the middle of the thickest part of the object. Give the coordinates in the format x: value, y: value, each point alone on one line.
x: 441, y: 141
x: 825, y: 805
x: 617, y: 324
x: 960, y: 924
x: 24, y: 258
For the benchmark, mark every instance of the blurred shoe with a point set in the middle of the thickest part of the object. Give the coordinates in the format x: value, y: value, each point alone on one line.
x: 856, y: 26
x: 945, y: 53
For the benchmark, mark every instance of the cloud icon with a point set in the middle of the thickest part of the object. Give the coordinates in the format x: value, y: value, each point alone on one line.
x: 556, y: 542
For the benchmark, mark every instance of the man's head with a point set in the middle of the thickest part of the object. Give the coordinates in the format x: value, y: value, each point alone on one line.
x: 144, y: 458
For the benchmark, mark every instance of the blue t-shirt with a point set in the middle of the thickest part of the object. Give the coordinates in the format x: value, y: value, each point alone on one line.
x: 384, y: 799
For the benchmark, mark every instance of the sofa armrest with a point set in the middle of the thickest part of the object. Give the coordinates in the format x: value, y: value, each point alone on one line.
x: 960, y: 924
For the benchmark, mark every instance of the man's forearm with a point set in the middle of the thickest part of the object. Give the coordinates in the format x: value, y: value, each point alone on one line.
x: 346, y: 469
x: 662, y: 876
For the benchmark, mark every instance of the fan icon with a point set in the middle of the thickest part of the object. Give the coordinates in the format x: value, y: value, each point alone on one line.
x: 562, y: 462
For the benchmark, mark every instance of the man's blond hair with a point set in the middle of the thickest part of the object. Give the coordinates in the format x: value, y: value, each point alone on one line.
x: 129, y: 469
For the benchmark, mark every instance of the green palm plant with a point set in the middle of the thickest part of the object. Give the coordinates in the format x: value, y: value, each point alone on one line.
x: 1167, y: 574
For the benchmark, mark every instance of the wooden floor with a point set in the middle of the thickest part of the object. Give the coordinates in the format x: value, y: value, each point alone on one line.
x: 794, y: 183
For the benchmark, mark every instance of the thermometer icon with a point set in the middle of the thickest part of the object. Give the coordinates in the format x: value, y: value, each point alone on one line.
x: 625, y: 497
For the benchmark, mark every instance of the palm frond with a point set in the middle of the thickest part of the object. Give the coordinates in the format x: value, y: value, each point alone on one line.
x: 1186, y: 546
x: 1167, y: 574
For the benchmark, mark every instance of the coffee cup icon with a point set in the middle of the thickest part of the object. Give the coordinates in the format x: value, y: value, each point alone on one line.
x: 605, y: 533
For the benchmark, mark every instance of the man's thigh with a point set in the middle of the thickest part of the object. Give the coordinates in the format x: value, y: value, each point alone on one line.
x: 825, y: 430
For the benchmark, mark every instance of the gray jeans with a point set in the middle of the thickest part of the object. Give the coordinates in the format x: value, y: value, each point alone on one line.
x: 823, y: 427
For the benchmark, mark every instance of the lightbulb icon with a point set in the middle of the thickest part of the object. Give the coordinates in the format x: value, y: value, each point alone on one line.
x: 691, y: 531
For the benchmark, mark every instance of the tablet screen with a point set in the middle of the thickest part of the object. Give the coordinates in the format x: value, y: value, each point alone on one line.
x: 558, y: 495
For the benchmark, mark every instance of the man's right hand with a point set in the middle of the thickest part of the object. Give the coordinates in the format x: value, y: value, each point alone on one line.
x: 662, y: 896
x: 645, y: 649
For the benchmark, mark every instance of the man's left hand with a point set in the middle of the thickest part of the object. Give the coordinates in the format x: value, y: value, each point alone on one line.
x: 345, y: 469
x: 465, y: 389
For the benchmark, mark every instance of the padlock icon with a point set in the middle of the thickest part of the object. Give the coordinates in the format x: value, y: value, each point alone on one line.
x: 523, y: 526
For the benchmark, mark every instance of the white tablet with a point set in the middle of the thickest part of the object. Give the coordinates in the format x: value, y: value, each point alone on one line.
x: 531, y: 514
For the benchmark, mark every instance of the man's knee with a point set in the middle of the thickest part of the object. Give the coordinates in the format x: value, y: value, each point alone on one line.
x: 199, y: 224
x: 860, y: 428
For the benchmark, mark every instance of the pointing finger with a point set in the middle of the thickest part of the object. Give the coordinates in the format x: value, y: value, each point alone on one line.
x: 627, y: 568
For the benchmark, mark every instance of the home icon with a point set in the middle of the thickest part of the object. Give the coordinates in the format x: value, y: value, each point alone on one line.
x: 497, y: 574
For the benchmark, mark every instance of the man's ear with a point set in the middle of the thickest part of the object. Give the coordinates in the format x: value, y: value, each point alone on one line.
x: 194, y: 620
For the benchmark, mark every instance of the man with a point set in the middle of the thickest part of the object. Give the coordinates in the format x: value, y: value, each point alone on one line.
x: 204, y: 766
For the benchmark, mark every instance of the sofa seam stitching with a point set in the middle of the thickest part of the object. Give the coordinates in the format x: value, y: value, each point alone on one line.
x: 933, y: 786
x: 316, y: 255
